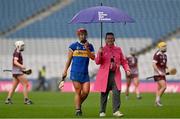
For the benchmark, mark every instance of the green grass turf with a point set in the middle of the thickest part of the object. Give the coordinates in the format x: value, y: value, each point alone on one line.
x: 61, y: 105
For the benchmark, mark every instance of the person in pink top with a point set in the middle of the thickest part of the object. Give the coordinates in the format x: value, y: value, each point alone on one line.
x: 110, y: 58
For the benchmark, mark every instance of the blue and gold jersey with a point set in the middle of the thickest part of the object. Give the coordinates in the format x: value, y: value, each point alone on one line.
x: 80, y: 59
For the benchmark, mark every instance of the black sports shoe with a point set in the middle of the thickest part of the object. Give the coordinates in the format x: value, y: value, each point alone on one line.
x: 28, y: 101
x: 8, y: 101
x: 78, y: 112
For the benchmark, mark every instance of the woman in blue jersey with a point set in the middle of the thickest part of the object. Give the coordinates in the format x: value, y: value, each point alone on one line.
x: 79, y: 54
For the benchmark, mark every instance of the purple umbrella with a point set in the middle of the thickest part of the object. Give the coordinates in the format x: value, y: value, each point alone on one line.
x: 101, y: 14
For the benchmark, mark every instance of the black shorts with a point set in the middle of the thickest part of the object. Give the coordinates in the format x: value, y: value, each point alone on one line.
x: 132, y: 76
x: 16, y: 75
x: 158, y: 78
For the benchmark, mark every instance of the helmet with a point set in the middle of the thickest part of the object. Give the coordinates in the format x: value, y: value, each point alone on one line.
x: 19, y: 45
x: 81, y: 30
x: 162, y: 46
x: 132, y: 51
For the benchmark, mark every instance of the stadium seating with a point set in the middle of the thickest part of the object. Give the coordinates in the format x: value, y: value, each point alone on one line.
x: 53, y: 53
x: 153, y: 19
x: 13, y: 12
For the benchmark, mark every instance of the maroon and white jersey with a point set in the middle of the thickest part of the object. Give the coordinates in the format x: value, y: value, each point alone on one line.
x: 133, y: 64
x: 161, y: 61
x: 15, y: 69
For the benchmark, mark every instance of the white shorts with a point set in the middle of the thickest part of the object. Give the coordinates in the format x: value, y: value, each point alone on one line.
x: 16, y: 70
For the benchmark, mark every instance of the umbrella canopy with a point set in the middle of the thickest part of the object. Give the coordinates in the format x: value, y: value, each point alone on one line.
x: 101, y: 14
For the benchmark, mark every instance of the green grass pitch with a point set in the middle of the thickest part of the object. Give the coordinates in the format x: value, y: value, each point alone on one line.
x: 61, y: 105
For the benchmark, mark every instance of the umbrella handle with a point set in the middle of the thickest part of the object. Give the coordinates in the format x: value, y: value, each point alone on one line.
x: 101, y: 32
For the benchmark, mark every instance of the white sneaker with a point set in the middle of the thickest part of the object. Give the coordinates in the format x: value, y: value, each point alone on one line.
x: 118, y: 114
x: 102, y: 114
x: 158, y: 103
x: 108, y: 97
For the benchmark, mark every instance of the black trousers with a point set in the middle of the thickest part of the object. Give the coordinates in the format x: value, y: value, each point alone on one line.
x: 41, y: 84
x: 111, y: 85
